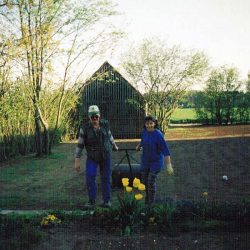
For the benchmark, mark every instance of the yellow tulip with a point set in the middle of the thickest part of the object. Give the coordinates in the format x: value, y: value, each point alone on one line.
x: 51, y: 217
x: 136, y: 182
x: 138, y: 197
x: 205, y: 194
x: 129, y: 189
x: 125, y: 182
x: 141, y: 187
x: 151, y: 219
x: 46, y: 223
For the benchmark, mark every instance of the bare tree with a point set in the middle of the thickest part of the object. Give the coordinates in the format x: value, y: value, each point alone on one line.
x: 164, y: 74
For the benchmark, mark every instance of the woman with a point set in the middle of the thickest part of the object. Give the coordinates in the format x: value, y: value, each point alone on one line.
x: 155, y: 152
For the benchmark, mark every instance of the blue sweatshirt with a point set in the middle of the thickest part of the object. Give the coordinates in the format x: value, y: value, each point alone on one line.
x: 154, y: 150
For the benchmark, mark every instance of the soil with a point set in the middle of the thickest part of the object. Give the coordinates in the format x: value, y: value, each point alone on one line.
x: 179, y: 132
x: 199, y: 166
x: 89, y: 237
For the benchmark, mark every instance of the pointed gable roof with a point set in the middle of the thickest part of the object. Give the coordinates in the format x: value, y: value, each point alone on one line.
x: 106, y: 65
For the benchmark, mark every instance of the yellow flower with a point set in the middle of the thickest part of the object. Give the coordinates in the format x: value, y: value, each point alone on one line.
x: 151, y: 219
x: 129, y: 189
x: 136, y: 182
x: 141, y: 187
x: 138, y: 196
x: 44, y: 222
x: 51, y: 217
x: 205, y: 194
x: 125, y: 182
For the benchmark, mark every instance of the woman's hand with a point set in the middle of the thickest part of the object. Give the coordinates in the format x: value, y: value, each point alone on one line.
x: 170, y: 170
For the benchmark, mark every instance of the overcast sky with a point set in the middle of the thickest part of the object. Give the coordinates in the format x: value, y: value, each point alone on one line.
x: 220, y: 28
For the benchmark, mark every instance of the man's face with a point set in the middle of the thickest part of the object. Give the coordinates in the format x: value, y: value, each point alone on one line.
x: 150, y: 125
x: 94, y: 119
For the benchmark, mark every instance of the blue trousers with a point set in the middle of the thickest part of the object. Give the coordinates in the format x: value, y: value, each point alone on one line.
x: 105, y: 173
x: 149, y: 180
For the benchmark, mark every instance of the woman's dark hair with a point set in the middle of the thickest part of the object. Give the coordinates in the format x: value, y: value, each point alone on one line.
x: 151, y: 118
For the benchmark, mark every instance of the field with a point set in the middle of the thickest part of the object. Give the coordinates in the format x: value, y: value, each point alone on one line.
x: 184, y: 114
x: 200, y: 157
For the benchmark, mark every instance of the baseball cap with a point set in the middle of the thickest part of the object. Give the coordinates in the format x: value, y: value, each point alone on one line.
x: 93, y: 110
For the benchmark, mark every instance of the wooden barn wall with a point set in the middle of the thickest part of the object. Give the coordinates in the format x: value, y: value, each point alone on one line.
x: 119, y: 103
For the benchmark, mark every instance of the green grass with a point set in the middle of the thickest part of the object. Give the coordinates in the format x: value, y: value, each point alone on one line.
x: 48, y: 182
x: 184, y: 114
x: 188, y: 114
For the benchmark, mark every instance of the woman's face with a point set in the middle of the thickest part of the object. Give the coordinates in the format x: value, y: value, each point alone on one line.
x: 150, y: 125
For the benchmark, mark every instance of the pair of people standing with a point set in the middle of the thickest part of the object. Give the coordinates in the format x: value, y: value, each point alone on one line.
x: 96, y: 137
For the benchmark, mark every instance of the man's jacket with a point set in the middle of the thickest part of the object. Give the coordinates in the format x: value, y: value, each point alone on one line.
x: 98, y: 142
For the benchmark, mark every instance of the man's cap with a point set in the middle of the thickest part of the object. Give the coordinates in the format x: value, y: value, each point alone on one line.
x: 93, y: 110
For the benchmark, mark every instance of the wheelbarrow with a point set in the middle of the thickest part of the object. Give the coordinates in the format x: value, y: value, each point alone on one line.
x: 121, y: 170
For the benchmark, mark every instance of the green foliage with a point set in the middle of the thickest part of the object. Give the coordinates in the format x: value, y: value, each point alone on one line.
x: 17, y: 129
x: 222, y: 102
x: 129, y: 213
x: 16, y: 119
x: 164, y: 216
x: 46, y: 41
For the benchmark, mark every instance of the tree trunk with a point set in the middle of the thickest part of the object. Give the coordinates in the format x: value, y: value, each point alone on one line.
x: 57, y: 121
x: 38, y: 135
x: 46, y: 142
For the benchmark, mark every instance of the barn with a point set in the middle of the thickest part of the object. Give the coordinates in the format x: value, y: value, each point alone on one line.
x: 119, y: 102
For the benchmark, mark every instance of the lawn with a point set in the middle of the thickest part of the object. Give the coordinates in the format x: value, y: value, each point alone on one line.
x: 184, y: 114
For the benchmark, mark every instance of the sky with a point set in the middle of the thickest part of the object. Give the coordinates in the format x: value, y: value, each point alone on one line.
x: 219, y: 28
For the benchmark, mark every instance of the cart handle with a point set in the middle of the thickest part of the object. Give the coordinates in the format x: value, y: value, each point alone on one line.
x: 126, y: 149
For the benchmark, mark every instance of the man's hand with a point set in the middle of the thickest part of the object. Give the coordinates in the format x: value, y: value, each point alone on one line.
x: 170, y: 170
x: 115, y: 147
x: 77, y: 164
x: 138, y: 147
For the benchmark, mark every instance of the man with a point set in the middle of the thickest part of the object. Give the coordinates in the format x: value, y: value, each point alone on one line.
x: 96, y: 137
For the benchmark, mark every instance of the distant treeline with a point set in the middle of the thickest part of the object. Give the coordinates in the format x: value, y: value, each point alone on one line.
x: 226, y: 107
